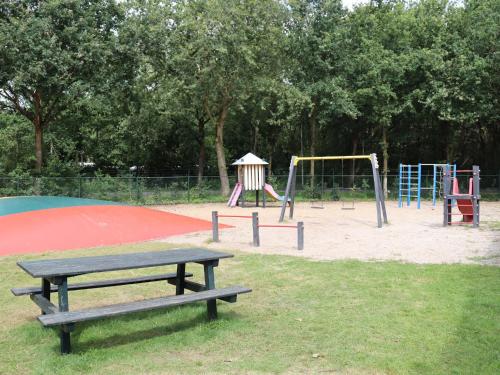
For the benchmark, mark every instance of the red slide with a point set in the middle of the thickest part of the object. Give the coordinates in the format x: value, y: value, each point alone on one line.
x: 464, y: 205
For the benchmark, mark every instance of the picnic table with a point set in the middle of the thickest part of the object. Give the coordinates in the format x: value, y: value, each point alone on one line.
x: 54, y: 275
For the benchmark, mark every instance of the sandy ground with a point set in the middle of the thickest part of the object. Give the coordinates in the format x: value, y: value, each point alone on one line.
x: 412, y: 235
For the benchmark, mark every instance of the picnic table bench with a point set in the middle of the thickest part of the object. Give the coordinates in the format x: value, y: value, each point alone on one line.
x: 54, y: 274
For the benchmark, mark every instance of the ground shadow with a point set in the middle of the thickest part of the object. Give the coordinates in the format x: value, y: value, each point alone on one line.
x: 471, y: 348
x: 130, y: 336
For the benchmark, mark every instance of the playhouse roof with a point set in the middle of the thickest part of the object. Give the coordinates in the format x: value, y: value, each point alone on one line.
x: 250, y: 159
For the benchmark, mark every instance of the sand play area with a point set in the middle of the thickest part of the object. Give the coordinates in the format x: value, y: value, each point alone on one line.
x: 412, y: 235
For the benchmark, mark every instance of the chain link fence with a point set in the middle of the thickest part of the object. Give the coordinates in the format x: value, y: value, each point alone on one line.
x: 187, y: 189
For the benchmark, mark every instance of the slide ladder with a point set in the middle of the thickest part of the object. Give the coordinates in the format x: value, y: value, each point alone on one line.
x: 464, y: 205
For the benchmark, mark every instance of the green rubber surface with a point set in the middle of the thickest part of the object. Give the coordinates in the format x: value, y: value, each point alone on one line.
x: 14, y: 205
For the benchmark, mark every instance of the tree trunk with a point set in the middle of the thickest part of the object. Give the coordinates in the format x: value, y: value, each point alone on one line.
x: 219, y: 148
x: 38, y: 148
x: 312, y: 128
x: 37, y: 122
x: 353, y: 165
x: 202, y: 156
x: 385, y: 154
x: 255, y: 139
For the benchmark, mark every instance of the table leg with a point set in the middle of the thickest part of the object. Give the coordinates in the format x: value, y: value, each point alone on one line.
x: 180, y: 280
x: 45, y: 290
x: 210, y: 284
x: 62, y: 291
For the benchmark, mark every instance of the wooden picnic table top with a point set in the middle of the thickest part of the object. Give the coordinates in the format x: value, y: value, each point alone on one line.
x: 83, y: 265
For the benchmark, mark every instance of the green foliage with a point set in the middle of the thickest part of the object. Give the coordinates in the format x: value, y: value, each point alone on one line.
x: 16, y: 140
x: 149, y: 83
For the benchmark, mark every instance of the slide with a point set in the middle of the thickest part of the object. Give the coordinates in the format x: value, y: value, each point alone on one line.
x: 270, y: 191
x: 464, y: 205
x: 233, y: 200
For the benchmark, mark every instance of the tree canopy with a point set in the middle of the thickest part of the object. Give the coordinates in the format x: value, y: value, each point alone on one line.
x: 189, y: 85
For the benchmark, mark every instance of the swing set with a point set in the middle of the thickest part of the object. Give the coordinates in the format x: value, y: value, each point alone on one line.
x: 319, y: 204
x: 292, y: 176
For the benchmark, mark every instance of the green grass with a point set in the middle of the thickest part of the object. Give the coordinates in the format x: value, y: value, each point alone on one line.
x: 302, y: 317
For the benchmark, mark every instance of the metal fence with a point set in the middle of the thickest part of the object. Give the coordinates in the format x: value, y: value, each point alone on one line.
x: 187, y: 189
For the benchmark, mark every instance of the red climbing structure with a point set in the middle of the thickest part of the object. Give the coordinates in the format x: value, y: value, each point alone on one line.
x: 467, y: 204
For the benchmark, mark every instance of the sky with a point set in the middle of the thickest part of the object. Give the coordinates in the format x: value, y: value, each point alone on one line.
x: 350, y: 3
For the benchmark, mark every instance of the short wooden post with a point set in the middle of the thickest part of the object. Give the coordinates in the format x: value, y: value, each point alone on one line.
x: 255, y: 229
x: 300, y: 235
x: 215, y: 226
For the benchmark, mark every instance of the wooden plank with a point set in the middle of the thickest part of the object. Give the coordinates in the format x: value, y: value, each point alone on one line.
x: 197, y: 287
x: 191, y: 285
x: 79, y: 266
x: 45, y: 305
x: 138, y: 306
x: 99, y: 284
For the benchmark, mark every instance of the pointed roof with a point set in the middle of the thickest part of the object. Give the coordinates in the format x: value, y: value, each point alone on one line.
x: 250, y: 159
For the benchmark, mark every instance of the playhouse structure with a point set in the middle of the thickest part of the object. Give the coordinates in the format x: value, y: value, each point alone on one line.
x: 467, y: 204
x: 413, y: 181
x: 251, y: 174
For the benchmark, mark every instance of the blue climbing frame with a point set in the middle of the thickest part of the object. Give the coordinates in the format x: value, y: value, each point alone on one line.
x: 410, y: 181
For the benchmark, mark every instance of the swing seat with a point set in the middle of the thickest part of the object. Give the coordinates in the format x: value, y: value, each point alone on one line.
x: 348, y: 208
x: 318, y: 206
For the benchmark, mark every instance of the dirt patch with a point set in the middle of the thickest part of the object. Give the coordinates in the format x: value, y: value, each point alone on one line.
x: 412, y: 235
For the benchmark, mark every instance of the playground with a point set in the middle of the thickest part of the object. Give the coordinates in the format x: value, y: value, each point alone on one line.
x: 415, y: 236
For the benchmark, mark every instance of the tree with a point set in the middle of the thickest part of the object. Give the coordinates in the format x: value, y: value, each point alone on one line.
x: 312, y: 47
x: 228, y: 49
x: 52, y: 53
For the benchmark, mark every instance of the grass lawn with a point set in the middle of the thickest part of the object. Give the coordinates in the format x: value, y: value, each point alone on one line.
x: 302, y: 317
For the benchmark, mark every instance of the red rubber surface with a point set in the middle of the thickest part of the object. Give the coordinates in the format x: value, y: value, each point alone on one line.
x: 90, y: 226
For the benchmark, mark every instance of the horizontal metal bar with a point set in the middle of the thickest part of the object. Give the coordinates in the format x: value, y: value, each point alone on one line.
x: 276, y: 226
x: 240, y: 216
x: 351, y: 157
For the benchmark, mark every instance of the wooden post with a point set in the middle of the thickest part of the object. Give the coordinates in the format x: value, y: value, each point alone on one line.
x: 255, y: 229
x: 300, y: 235
x: 210, y: 284
x: 62, y: 291
x: 476, y: 196
x: 288, y: 189
x: 45, y: 290
x: 378, y: 193
x: 264, y: 186
x: 292, y: 194
x: 446, y: 192
x: 215, y: 226
x: 180, y: 279
x: 242, y: 195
